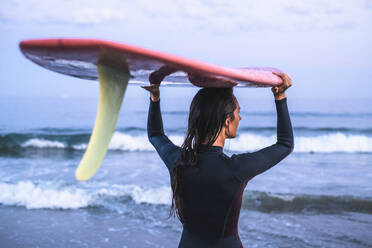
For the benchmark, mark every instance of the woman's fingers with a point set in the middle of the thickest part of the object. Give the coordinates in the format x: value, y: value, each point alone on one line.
x: 148, y: 88
x: 156, y: 77
x: 154, y: 91
x: 275, y: 89
x: 151, y: 88
x: 278, y: 73
x: 287, y: 82
x: 281, y: 88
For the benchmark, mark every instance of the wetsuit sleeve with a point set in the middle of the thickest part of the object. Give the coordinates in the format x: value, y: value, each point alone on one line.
x: 167, y: 151
x: 248, y: 165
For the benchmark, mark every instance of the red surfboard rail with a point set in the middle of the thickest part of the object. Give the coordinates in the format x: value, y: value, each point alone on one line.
x: 79, y: 57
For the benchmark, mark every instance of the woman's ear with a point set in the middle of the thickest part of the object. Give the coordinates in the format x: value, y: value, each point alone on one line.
x: 227, y: 122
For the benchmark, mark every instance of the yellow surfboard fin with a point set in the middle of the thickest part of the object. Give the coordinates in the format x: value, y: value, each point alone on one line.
x: 113, y: 84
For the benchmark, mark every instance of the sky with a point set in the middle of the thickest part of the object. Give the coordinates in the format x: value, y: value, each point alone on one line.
x: 324, y: 45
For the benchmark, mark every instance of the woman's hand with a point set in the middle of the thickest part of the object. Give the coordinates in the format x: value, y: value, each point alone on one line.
x: 154, y: 92
x: 279, y: 90
x: 157, y: 76
x: 155, y: 79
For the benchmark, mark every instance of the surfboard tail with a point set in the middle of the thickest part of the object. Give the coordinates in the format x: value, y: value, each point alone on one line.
x: 113, y: 84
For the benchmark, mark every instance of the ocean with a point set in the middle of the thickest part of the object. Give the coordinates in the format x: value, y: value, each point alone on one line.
x: 319, y: 196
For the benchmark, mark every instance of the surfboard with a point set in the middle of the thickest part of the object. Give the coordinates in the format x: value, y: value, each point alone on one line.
x: 116, y: 64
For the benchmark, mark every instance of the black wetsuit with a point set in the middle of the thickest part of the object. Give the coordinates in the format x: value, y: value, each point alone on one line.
x: 212, y: 192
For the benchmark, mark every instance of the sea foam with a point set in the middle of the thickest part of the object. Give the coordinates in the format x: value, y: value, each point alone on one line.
x: 42, y: 143
x: 31, y: 195
x: 52, y: 195
x: 245, y: 142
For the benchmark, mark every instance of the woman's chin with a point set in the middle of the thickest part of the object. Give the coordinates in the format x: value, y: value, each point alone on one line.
x: 231, y: 137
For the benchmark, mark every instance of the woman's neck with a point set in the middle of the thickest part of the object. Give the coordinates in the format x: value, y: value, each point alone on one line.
x: 220, y: 141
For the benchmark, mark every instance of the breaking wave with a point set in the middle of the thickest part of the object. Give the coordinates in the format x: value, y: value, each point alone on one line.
x: 51, y: 195
x: 246, y: 141
x: 59, y: 196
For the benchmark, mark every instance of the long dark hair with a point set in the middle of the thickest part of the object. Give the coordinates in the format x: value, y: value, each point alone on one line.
x: 208, y: 111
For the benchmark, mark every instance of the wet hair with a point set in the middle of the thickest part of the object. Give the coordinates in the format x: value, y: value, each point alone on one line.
x: 209, y: 109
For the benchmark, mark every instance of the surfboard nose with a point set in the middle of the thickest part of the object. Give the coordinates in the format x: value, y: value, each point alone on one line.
x: 113, y: 84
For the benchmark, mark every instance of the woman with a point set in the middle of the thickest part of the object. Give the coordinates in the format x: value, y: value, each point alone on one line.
x: 208, y: 185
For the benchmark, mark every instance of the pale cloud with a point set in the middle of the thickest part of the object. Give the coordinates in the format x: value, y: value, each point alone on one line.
x: 294, y: 15
x: 320, y: 43
x: 74, y: 12
x: 224, y: 16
